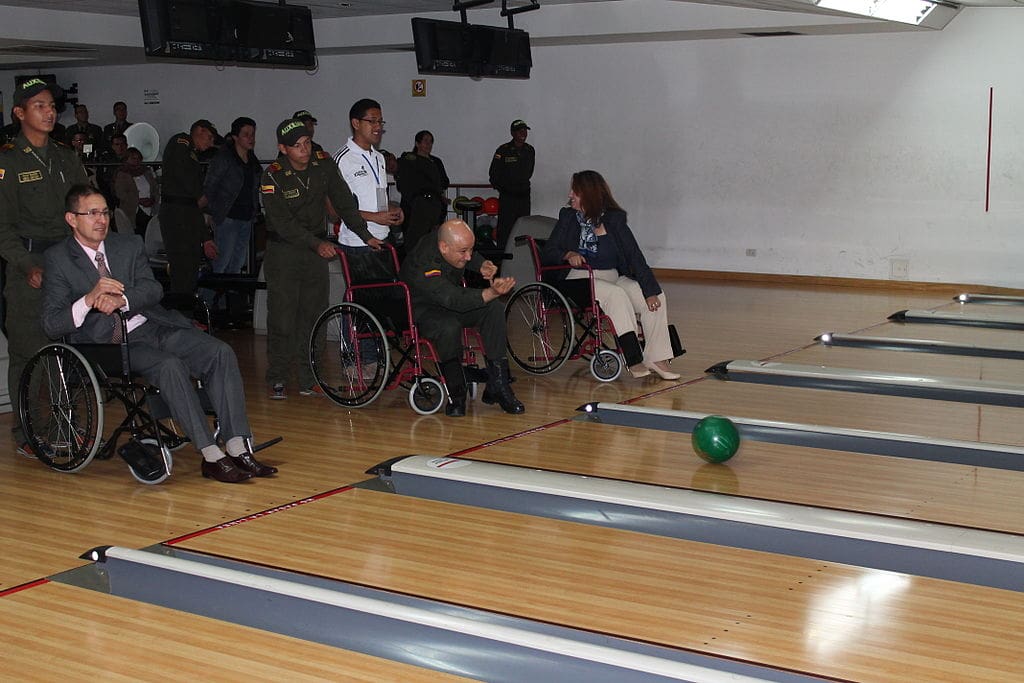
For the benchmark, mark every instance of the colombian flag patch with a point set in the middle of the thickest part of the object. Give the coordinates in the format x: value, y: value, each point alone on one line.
x: 267, y: 189
x: 432, y: 273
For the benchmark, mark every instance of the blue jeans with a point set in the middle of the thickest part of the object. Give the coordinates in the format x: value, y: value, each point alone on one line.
x: 232, y: 237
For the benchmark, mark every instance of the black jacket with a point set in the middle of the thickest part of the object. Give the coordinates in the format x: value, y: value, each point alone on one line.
x: 225, y: 179
x: 631, y: 262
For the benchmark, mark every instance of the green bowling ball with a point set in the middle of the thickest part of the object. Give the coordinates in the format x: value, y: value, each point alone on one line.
x: 715, y: 438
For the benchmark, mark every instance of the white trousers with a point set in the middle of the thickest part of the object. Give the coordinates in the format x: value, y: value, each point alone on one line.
x: 621, y: 300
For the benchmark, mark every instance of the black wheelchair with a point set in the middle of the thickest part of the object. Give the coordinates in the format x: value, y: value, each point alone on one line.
x: 370, y: 342
x: 64, y: 395
x: 550, y: 323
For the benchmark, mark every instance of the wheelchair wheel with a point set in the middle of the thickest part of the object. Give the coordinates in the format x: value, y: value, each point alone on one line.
x: 61, y: 408
x: 540, y: 328
x: 426, y: 396
x: 349, y: 355
x: 606, y: 365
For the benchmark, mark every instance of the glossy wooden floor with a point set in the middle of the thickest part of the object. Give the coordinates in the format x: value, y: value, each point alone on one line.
x: 52, y: 518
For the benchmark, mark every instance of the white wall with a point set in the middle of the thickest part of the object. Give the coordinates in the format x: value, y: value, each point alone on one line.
x: 828, y: 155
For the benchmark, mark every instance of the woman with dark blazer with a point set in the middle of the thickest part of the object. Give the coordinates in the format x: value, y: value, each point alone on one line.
x: 593, y: 231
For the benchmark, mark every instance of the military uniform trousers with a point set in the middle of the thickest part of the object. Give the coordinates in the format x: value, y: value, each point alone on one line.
x: 183, y: 229
x: 443, y: 327
x: 423, y: 215
x: 25, y: 333
x: 168, y: 357
x: 622, y: 300
x: 510, y: 209
x: 297, y: 293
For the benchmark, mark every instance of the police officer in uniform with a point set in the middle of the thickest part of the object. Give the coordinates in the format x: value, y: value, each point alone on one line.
x: 442, y: 307
x: 422, y: 181
x: 182, y: 224
x: 294, y: 189
x: 510, y: 173
x: 310, y: 122
x: 35, y: 175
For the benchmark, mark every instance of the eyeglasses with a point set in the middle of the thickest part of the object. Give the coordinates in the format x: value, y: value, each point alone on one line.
x: 374, y: 122
x: 94, y: 213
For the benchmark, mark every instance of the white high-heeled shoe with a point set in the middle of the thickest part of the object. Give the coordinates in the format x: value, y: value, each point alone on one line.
x: 664, y: 373
x: 639, y: 370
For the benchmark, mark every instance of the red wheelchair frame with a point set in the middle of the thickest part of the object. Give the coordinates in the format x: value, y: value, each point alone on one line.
x: 350, y: 347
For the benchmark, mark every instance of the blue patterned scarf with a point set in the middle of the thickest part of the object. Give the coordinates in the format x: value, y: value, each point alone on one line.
x: 588, y: 239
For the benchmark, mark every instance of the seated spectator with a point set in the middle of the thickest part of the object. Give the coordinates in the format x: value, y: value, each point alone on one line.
x: 137, y: 191
x: 441, y: 307
x: 93, y: 273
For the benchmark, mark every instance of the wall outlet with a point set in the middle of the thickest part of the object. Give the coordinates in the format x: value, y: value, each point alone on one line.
x: 752, y: 252
x: 899, y: 269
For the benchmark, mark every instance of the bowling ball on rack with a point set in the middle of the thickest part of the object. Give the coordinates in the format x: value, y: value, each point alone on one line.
x: 478, y: 199
x: 491, y: 206
x: 459, y: 201
x: 715, y: 438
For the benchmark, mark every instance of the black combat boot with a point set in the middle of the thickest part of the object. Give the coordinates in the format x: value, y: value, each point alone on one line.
x: 455, y: 383
x: 498, y: 389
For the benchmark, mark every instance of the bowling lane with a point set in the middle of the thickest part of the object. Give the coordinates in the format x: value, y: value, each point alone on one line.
x: 901, y: 487
x: 930, y: 418
x: 794, y: 613
x: 917, y: 364
x: 88, y: 635
x: 957, y: 334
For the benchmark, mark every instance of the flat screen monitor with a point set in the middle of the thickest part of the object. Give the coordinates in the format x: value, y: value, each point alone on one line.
x: 275, y: 34
x: 501, y: 52
x: 442, y: 47
x: 190, y: 29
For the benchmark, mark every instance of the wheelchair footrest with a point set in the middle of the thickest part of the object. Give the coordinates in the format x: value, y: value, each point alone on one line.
x: 267, y: 444
x: 145, y: 460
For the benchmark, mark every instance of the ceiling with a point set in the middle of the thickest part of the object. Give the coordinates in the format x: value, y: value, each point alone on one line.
x: 65, y: 50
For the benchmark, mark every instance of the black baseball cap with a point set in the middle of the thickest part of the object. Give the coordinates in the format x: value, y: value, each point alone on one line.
x: 519, y: 124
x: 304, y: 114
x: 291, y: 131
x: 32, y: 87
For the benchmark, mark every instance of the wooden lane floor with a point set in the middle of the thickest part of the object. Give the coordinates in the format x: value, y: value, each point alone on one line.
x: 87, y: 635
x: 977, y: 336
x: 910, y: 363
x: 929, y: 418
x: 900, y: 487
x: 794, y: 613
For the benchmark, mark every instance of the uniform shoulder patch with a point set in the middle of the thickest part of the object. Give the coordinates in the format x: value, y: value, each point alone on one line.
x: 274, y: 167
x: 433, y: 272
x: 183, y: 140
x: 267, y: 189
x: 322, y: 155
x: 7, y: 147
x: 2, y: 173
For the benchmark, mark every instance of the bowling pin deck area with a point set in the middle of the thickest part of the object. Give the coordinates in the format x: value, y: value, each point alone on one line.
x: 857, y: 535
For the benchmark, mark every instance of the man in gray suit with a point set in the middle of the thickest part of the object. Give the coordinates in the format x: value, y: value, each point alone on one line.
x: 94, y: 273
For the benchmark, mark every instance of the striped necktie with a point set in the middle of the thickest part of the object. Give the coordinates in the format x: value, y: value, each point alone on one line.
x: 117, y: 334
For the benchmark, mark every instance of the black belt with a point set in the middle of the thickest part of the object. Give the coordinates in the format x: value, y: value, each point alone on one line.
x: 180, y: 201
x: 37, y: 246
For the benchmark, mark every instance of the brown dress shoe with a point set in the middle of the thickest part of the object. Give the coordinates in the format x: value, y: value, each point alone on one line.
x: 247, y: 463
x: 225, y: 470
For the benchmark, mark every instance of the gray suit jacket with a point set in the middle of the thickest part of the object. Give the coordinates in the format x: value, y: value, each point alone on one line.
x: 69, y: 274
